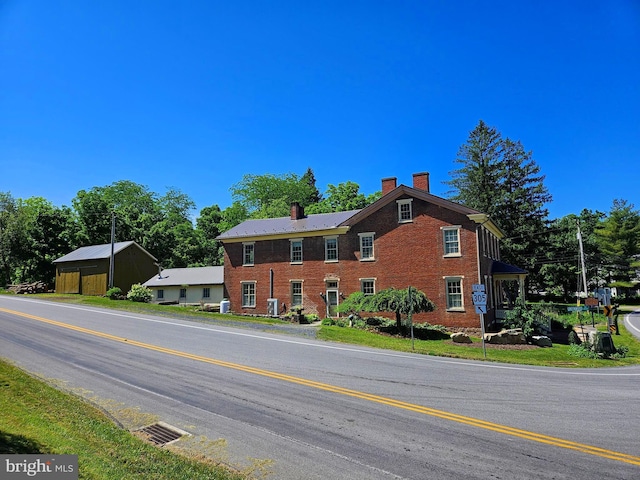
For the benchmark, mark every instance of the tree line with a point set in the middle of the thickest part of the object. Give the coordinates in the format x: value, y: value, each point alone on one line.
x: 494, y: 175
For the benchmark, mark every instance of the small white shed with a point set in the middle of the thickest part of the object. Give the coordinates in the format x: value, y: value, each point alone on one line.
x: 195, y: 286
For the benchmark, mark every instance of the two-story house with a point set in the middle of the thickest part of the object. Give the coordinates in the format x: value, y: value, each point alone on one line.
x: 408, y: 237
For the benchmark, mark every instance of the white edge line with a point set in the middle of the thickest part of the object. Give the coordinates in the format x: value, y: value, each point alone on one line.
x: 553, y: 370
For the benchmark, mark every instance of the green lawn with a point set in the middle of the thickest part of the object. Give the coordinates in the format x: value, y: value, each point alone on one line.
x: 37, y: 418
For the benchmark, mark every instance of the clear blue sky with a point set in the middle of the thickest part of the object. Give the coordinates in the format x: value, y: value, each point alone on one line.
x: 195, y: 94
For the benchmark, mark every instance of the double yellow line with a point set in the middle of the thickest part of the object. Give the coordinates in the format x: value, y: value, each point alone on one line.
x: 474, y: 422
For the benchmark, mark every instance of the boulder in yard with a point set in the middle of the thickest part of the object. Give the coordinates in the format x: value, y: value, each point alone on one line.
x: 460, y: 337
x: 541, y: 341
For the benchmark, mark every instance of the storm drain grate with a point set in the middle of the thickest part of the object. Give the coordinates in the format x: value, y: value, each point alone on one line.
x: 161, y: 433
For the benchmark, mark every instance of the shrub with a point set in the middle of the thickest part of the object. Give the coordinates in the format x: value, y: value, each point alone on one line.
x: 114, y: 293
x: 531, y: 320
x: 139, y: 293
x: 621, y: 352
x: 582, y: 350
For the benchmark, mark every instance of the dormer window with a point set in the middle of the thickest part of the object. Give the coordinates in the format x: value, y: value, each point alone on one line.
x: 405, y: 213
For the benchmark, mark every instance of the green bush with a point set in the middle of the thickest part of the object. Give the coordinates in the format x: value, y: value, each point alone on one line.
x: 532, y: 320
x: 582, y: 350
x: 139, y: 293
x: 114, y: 293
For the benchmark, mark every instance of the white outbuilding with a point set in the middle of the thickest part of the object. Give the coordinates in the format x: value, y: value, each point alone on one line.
x: 190, y: 286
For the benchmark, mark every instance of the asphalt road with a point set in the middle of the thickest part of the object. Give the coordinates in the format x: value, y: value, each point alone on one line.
x: 317, y: 410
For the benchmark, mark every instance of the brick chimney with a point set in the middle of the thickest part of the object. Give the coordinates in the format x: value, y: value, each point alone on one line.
x: 297, y: 211
x: 388, y: 184
x: 421, y: 181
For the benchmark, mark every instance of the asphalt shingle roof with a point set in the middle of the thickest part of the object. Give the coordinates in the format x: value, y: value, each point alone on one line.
x: 172, y: 277
x: 94, y: 252
x: 285, y: 225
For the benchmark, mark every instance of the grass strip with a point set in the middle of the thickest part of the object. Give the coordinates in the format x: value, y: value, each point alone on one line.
x: 35, y: 418
x: 556, y: 356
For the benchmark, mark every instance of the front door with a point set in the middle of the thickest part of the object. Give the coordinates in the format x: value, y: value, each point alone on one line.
x: 332, y: 303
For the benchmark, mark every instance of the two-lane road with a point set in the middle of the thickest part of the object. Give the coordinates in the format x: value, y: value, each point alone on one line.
x: 323, y: 410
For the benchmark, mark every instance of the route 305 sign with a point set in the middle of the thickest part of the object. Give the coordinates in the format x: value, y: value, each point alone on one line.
x: 479, y: 298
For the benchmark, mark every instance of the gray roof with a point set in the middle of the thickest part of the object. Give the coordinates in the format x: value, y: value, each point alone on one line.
x: 94, y: 252
x: 172, y: 277
x: 285, y: 225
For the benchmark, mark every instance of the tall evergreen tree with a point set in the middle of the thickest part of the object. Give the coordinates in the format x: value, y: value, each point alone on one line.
x: 498, y: 177
x: 474, y: 184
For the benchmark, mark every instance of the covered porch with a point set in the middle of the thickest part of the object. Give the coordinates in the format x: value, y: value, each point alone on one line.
x: 507, y: 287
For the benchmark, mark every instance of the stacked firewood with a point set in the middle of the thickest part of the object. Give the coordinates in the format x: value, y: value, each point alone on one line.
x: 35, y: 287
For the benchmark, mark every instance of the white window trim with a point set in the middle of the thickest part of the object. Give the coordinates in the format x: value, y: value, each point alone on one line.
x: 367, y: 279
x: 400, y: 203
x: 244, y: 245
x: 301, y: 282
x: 449, y: 228
x: 373, y: 242
x: 291, y: 242
x: 326, y: 250
x: 242, y: 284
x: 459, y: 278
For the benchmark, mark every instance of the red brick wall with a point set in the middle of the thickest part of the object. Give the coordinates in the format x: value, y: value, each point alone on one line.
x: 405, y: 254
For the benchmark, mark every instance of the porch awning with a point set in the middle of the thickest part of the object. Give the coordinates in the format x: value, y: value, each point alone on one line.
x: 506, y: 271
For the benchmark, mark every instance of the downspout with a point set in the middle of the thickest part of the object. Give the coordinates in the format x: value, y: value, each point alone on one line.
x: 271, y: 283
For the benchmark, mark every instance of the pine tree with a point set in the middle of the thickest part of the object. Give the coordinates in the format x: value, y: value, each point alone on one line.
x: 499, y: 178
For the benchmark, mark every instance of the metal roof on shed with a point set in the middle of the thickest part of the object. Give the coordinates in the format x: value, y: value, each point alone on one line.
x: 172, y: 277
x: 285, y: 225
x: 94, y: 252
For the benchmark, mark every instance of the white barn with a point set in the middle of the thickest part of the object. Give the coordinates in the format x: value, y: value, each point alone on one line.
x: 195, y: 286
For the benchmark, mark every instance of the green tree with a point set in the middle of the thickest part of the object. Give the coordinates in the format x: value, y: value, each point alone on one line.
x: 12, y: 238
x: 476, y: 181
x: 559, y: 265
x: 397, y: 301
x: 619, y: 239
x: 268, y: 196
x: 310, y: 179
x: 342, y: 198
x: 498, y: 177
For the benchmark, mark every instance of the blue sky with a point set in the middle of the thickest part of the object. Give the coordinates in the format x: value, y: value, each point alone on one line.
x: 193, y: 95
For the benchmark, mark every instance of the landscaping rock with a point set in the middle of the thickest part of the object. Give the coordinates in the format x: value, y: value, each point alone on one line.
x: 541, y: 341
x: 508, y: 337
x: 460, y: 338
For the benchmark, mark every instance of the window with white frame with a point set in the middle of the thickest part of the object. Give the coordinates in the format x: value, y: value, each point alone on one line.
x: 160, y: 294
x: 451, y: 239
x: 405, y: 213
x: 366, y: 246
x: 206, y: 292
x: 183, y: 293
x: 454, y: 293
x: 331, y: 249
x: 248, y: 294
x: 296, y: 293
x: 296, y: 251
x: 248, y: 250
x: 368, y: 286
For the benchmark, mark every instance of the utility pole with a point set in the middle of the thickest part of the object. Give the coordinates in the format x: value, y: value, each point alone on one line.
x: 584, y: 269
x: 113, y: 239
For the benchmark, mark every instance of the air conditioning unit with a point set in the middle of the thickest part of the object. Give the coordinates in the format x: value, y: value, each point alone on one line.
x: 272, y: 307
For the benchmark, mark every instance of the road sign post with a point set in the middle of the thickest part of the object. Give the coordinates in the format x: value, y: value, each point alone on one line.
x: 479, y: 298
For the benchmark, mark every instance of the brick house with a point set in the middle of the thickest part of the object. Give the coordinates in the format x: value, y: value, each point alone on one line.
x: 408, y: 237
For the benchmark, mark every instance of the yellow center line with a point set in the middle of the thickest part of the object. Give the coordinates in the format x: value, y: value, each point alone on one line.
x: 475, y: 422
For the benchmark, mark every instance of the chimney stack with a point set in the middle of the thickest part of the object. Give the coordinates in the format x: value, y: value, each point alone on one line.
x: 297, y: 211
x: 421, y: 181
x: 388, y: 184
